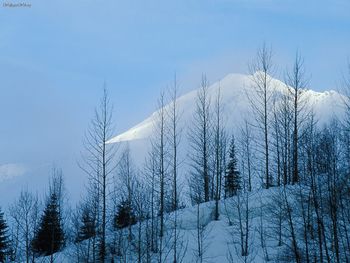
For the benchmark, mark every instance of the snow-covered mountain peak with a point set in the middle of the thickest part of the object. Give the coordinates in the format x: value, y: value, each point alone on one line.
x: 234, y: 89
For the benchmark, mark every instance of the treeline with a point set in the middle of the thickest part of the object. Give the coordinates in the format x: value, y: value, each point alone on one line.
x: 130, y: 214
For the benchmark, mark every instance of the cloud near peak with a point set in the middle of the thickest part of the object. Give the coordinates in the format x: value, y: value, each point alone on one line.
x: 10, y: 170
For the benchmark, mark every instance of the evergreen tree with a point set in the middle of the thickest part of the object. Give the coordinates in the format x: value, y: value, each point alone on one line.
x: 232, y: 176
x: 125, y: 216
x: 4, y: 239
x: 88, y: 228
x: 50, y: 235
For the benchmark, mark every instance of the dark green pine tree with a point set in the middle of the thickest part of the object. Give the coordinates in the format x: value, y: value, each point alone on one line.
x: 232, y: 175
x: 49, y: 238
x: 88, y: 227
x: 125, y: 216
x: 4, y: 239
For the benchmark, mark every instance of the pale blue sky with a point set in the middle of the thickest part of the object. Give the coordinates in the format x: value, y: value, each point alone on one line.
x: 55, y: 56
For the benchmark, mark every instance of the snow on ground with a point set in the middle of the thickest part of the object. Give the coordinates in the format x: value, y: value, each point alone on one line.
x: 220, y: 237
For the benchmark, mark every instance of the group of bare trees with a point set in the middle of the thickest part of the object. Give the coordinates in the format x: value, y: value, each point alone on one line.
x: 25, y: 215
x: 308, y: 162
x: 129, y: 207
x: 282, y: 144
x: 313, y: 220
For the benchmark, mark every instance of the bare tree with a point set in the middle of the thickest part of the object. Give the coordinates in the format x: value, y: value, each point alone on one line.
x: 141, y: 204
x: 175, y: 137
x: 200, y: 136
x: 151, y: 172
x: 295, y: 79
x: 220, y: 140
x: 284, y: 118
x: 246, y: 141
x: 160, y: 164
x: 98, y: 161
x: 161, y: 173
x: 292, y: 226
x: 202, y: 232
x: 25, y: 214
x: 277, y: 142
x: 239, y: 213
x: 260, y: 100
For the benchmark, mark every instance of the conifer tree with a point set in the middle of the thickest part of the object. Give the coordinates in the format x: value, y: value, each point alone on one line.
x: 232, y: 176
x: 125, y: 216
x: 88, y: 228
x: 4, y: 240
x: 49, y: 238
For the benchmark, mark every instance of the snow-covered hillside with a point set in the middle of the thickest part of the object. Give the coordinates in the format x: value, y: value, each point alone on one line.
x: 236, y: 105
x: 220, y: 238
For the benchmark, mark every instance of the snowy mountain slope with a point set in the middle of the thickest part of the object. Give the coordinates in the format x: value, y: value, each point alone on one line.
x: 234, y: 91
